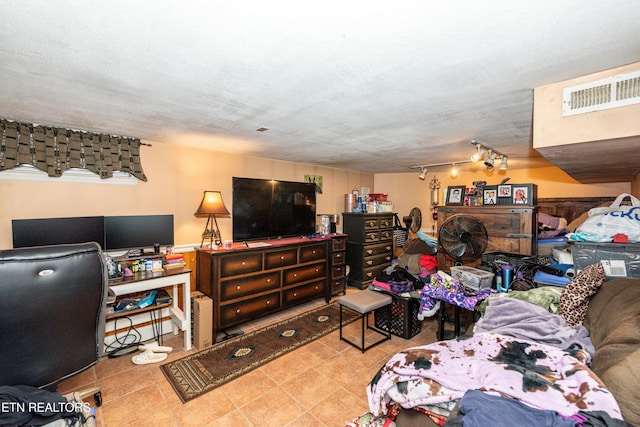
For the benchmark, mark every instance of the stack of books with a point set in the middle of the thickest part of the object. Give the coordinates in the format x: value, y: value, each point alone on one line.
x: 173, y: 261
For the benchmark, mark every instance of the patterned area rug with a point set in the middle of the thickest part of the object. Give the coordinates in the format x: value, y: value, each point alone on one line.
x: 201, y: 372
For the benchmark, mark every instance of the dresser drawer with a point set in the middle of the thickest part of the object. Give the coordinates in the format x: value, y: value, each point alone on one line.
x: 236, y: 288
x: 337, y: 285
x: 371, y: 272
x: 385, y: 234
x: 338, y: 271
x: 302, y: 274
x: 371, y: 224
x: 381, y: 248
x: 235, y: 313
x: 337, y: 258
x: 280, y: 258
x: 386, y: 222
x: 313, y: 252
x: 376, y: 260
x: 304, y: 292
x: 232, y: 265
x: 339, y: 243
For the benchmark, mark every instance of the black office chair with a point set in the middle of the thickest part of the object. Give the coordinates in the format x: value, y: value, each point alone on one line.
x: 52, y: 301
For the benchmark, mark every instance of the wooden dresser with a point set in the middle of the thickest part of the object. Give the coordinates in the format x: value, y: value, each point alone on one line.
x: 249, y: 282
x: 369, y: 245
x: 512, y: 229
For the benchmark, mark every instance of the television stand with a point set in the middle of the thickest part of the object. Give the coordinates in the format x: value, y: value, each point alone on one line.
x: 246, y: 283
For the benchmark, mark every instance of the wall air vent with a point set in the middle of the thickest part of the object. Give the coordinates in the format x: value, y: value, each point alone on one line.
x: 612, y: 92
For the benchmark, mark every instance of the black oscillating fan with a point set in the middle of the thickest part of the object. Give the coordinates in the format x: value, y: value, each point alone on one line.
x: 463, y: 238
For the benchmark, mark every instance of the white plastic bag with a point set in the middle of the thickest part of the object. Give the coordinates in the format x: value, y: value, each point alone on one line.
x: 605, y: 222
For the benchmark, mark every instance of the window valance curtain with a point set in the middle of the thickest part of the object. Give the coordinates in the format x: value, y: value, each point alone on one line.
x: 55, y: 150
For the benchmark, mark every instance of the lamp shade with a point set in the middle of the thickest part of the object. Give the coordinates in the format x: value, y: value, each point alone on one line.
x: 212, y: 203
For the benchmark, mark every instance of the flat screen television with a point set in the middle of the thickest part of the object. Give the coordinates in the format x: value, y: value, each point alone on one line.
x: 57, y: 231
x: 137, y: 231
x: 268, y: 209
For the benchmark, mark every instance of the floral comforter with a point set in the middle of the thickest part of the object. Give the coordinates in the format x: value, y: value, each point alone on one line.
x: 539, y: 375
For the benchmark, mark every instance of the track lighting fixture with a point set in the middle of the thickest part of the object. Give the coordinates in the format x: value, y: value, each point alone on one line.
x: 423, y: 168
x: 423, y: 173
x: 489, y: 155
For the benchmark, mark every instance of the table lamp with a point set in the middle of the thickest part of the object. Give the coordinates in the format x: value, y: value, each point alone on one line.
x: 211, y: 205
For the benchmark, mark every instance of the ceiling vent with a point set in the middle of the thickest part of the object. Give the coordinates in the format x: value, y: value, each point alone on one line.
x: 611, y: 92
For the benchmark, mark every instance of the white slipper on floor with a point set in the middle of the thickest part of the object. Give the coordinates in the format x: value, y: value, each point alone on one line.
x: 153, y: 346
x: 147, y: 357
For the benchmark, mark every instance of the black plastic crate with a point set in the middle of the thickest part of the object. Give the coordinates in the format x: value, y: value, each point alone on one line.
x: 404, y: 320
x: 517, y: 260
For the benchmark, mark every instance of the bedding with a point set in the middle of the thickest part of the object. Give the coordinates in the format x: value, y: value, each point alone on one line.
x: 522, y: 354
x: 539, y: 375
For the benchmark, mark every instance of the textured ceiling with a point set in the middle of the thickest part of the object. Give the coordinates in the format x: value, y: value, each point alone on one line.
x: 375, y: 86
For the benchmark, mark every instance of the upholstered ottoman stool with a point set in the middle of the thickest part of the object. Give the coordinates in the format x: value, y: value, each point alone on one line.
x: 364, y: 302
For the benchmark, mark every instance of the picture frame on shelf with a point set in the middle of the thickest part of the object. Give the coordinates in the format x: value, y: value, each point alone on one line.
x: 455, y: 195
x: 521, y: 195
x: 504, y: 190
x: 490, y: 195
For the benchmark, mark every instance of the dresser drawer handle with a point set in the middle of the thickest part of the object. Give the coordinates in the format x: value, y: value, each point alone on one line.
x: 388, y: 258
x: 238, y: 288
x: 317, y: 269
x: 369, y: 262
x: 313, y: 251
x: 369, y: 274
x: 295, y: 274
x: 244, y: 263
x: 269, y: 280
x: 268, y: 302
x: 369, y: 251
x: 338, y: 255
x: 316, y: 287
x: 237, y: 311
x: 388, y: 248
x: 295, y: 294
x: 281, y: 257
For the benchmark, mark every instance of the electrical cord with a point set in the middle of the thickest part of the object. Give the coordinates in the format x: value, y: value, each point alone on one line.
x: 126, y: 344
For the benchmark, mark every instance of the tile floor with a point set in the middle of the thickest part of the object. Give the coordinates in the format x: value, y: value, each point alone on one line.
x: 320, y: 384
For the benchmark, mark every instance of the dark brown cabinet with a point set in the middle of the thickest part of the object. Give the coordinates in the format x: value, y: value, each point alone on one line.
x: 247, y: 283
x: 511, y: 229
x: 338, y: 264
x: 369, y: 245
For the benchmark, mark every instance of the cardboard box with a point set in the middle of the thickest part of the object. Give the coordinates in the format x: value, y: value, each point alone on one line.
x: 202, y: 320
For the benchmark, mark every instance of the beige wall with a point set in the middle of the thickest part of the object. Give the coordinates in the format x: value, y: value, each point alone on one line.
x: 550, y: 128
x: 407, y: 191
x: 177, y: 177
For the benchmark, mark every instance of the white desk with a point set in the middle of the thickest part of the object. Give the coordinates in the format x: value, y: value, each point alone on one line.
x: 142, y: 282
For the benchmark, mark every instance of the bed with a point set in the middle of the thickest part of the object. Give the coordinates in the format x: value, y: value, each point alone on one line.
x: 526, y: 361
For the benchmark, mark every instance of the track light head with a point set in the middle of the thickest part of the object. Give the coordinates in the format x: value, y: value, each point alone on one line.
x: 423, y: 173
x: 488, y: 162
x: 479, y: 154
x: 454, y: 171
x: 503, y: 163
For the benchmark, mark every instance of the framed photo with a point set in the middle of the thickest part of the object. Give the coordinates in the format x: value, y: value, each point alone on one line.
x: 455, y: 195
x: 490, y: 196
x: 520, y: 195
x: 504, y: 190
